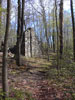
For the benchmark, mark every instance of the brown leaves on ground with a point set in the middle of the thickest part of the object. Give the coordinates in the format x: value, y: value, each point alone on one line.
x: 32, y: 79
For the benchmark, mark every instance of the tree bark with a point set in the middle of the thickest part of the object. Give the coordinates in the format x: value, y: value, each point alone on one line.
x: 5, y: 68
x: 45, y: 26
x: 23, y: 45
x: 57, y: 34
x: 53, y: 34
x: 18, y: 58
x: 20, y: 32
x: 73, y: 27
x: 61, y: 28
x: 22, y: 27
x: 30, y: 43
x: 0, y: 14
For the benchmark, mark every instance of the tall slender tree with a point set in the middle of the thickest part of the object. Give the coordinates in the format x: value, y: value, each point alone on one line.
x: 57, y: 34
x: 5, y: 68
x: 22, y: 35
x: 0, y: 14
x: 20, y: 31
x: 45, y: 26
x: 61, y: 28
x: 73, y: 26
x: 30, y: 43
x: 53, y: 31
x: 18, y: 53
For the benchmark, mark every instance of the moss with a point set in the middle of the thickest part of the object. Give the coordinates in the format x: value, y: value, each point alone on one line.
x: 29, y: 96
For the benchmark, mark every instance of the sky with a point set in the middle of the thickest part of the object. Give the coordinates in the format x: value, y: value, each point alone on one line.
x: 67, y: 5
x: 36, y: 3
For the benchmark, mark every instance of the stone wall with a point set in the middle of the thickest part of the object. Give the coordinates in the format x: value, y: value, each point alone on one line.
x: 32, y: 45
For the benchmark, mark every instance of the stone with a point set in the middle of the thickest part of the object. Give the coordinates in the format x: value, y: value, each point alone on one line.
x: 32, y: 44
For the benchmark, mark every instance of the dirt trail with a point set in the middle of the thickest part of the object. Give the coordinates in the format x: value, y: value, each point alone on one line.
x: 32, y: 79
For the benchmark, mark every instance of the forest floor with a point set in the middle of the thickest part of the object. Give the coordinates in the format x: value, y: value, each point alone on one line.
x: 38, y: 79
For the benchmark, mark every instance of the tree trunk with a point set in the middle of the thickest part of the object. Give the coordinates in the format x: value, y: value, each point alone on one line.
x: 18, y: 58
x: 0, y: 11
x: 73, y: 27
x: 61, y: 28
x: 45, y: 26
x: 22, y: 29
x: 57, y: 34
x: 5, y: 68
x: 23, y: 45
x: 30, y: 43
x: 53, y: 34
x: 20, y: 32
x: 0, y: 15
x: 46, y: 33
x: 67, y: 45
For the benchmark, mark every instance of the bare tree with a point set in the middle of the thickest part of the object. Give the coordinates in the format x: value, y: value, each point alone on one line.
x: 57, y: 34
x: 61, y: 28
x: 73, y: 26
x: 30, y: 43
x: 20, y: 31
x: 5, y: 68
x: 45, y: 26
x: 18, y: 53
x: 53, y: 31
x: 0, y: 13
x: 22, y: 35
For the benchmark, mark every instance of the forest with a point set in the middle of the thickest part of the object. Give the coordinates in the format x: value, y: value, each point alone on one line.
x: 37, y: 49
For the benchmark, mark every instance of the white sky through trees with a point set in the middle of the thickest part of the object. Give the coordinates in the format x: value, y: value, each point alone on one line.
x: 47, y: 3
